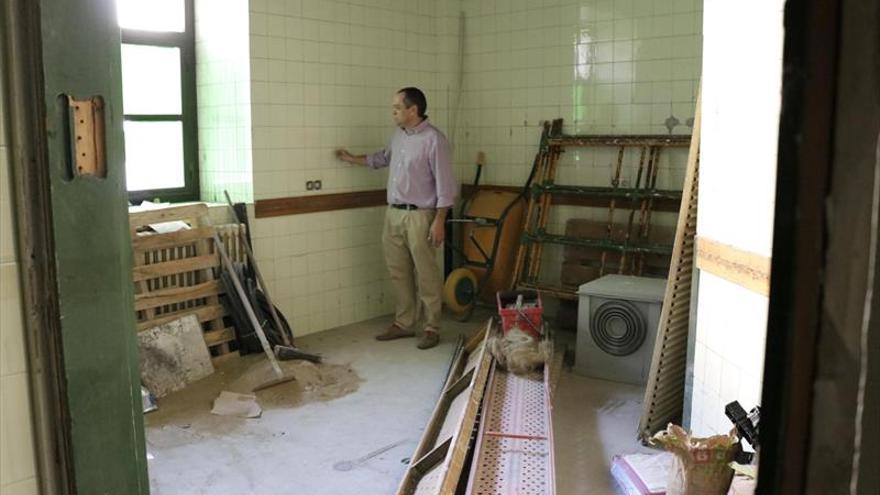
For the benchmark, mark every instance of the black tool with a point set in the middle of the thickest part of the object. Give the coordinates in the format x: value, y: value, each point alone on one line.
x: 746, y: 427
x: 289, y: 351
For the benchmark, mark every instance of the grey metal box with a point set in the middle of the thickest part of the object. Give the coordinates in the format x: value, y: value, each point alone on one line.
x: 617, y: 327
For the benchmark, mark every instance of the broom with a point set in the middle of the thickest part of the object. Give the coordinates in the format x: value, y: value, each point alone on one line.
x: 287, y: 351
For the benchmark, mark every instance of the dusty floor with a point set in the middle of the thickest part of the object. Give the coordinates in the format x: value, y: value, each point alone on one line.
x: 593, y: 420
x: 321, y: 434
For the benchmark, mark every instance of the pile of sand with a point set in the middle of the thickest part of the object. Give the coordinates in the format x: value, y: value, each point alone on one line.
x: 191, y: 406
x: 313, y: 382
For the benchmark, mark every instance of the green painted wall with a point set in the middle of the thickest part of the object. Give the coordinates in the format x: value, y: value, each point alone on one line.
x: 93, y: 255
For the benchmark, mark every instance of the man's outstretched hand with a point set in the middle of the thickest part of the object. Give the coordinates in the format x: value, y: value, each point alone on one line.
x: 344, y: 155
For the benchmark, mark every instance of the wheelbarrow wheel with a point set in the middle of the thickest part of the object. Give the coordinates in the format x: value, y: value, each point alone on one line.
x: 460, y: 291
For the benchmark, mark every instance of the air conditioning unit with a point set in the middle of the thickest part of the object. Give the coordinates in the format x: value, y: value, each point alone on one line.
x: 617, y: 326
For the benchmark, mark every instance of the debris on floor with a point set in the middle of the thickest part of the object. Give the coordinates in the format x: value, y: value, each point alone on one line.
x: 641, y: 474
x: 237, y: 405
x: 173, y: 355
x: 148, y: 400
x: 520, y: 352
x: 349, y: 465
x: 312, y: 383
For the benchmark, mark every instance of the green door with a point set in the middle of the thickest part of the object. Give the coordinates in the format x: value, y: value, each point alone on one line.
x: 81, y: 59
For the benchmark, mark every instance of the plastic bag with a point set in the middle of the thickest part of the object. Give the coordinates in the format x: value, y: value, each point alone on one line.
x: 700, y: 465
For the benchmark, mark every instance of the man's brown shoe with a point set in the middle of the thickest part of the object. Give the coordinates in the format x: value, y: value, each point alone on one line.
x: 430, y: 338
x: 395, y: 332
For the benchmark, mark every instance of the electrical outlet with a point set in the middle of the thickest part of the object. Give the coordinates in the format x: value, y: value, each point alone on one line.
x: 310, y: 185
x: 317, y: 185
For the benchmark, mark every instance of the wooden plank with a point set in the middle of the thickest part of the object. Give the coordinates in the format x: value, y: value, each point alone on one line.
x: 217, y: 337
x: 89, y: 145
x: 146, y: 272
x: 743, y: 268
x: 173, y: 295
x: 172, y: 239
x: 460, y: 424
x: 203, y: 313
x: 666, y: 383
x: 169, y: 214
x: 430, y: 432
x: 264, y: 208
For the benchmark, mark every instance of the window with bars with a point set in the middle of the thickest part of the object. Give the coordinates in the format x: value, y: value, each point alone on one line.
x: 159, y: 99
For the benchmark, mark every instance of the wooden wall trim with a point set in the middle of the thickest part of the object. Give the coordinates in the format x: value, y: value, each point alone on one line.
x: 315, y: 203
x: 743, y: 268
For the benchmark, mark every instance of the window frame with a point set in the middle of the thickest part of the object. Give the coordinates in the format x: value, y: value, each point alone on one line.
x: 185, y: 41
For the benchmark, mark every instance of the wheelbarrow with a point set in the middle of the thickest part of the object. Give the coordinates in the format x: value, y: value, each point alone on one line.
x: 491, y: 222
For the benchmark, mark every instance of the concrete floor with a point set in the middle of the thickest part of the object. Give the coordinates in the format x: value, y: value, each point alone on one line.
x: 593, y: 420
x: 293, y: 450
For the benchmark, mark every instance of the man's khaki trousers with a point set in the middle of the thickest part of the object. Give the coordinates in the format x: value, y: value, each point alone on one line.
x: 412, y: 262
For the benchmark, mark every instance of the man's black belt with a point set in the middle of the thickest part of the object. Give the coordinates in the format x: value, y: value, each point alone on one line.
x: 404, y: 206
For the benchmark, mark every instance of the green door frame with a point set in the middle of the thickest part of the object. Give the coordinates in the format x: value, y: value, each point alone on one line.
x: 74, y: 246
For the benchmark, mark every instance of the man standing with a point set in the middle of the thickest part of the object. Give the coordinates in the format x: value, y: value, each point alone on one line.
x: 421, y: 189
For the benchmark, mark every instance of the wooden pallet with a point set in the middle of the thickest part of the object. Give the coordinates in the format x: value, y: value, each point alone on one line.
x: 178, y: 273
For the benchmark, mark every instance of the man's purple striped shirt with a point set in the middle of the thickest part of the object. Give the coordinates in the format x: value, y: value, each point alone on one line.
x: 420, y: 172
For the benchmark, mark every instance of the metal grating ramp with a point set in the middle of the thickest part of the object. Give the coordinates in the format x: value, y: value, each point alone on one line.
x: 514, y: 451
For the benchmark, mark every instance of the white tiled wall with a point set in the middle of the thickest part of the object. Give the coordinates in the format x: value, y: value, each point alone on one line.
x: 741, y: 94
x: 323, y: 74
x: 17, y: 467
x: 325, y: 269
x: 224, y: 99
x: 606, y: 67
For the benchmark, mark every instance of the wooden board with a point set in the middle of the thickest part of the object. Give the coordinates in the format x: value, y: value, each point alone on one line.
x: 313, y: 203
x: 182, y: 213
x: 437, y: 463
x: 173, y: 355
x: 147, y: 242
x: 664, y: 392
x: 743, y: 268
x: 171, y: 295
x: 184, y: 265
